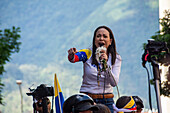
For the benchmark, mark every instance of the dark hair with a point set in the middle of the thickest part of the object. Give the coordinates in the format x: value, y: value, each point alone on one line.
x: 102, y: 109
x: 111, y: 49
x: 122, y: 101
x: 138, y: 102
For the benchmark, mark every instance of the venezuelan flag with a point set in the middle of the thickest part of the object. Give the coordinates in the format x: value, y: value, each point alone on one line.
x: 82, y: 55
x: 59, y: 99
x: 131, y: 105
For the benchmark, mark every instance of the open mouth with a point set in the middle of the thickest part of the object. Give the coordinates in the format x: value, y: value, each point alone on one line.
x: 101, y: 44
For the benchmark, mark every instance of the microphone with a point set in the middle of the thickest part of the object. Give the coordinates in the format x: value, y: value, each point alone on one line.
x: 103, y: 61
x: 99, y: 53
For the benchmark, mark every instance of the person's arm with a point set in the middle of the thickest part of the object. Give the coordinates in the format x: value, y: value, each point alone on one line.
x: 114, y: 71
x: 76, y: 56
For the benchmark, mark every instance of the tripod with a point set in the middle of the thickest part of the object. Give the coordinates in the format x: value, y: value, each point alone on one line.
x: 157, y: 83
x: 153, y: 49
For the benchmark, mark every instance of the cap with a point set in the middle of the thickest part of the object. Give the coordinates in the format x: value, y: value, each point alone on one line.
x: 78, y: 102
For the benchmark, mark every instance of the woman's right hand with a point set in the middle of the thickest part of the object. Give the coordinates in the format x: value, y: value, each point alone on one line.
x: 71, y: 53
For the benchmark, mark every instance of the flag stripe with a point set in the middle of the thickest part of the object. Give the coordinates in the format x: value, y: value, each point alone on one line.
x: 59, y: 99
x: 56, y: 85
x: 57, y: 103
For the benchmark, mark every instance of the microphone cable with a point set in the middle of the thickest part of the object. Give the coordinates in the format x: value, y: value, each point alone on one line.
x: 110, y: 74
x: 149, y: 88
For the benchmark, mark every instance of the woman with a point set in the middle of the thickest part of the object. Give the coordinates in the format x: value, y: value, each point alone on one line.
x: 98, y: 82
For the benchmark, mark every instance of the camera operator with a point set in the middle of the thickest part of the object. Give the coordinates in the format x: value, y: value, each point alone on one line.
x: 39, y: 106
x: 40, y: 101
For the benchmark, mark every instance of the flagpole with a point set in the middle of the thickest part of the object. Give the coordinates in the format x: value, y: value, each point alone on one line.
x: 58, y: 92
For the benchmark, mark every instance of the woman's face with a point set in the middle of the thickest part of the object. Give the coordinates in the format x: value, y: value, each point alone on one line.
x: 102, y: 38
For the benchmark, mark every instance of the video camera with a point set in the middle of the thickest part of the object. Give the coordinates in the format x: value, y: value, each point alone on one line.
x: 152, y: 49
x: 41, y: 91
x: 155, y: 47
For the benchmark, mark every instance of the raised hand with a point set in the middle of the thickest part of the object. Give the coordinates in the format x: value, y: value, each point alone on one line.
x: 71, y: 53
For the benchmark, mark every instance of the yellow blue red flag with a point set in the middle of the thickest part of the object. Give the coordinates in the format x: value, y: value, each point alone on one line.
x: 59, y: 99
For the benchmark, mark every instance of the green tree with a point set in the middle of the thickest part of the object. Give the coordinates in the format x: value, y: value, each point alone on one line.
x: 8, y: 44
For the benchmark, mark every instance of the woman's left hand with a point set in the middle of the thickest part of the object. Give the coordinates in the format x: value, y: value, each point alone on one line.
x: 103, y: 55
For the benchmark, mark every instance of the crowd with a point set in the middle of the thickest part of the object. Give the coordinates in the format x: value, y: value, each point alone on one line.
x: 82, y: 103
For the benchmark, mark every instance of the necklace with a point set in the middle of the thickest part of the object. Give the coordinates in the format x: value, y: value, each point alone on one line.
x: 98, y: 74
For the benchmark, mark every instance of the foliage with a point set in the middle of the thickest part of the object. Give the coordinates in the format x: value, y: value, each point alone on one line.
x: 164, y: 35
x: 165, y: 90
x: 1, y: 87
x: 8, y: 44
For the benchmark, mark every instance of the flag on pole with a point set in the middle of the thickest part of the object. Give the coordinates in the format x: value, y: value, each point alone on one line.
x: 59, y: 99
